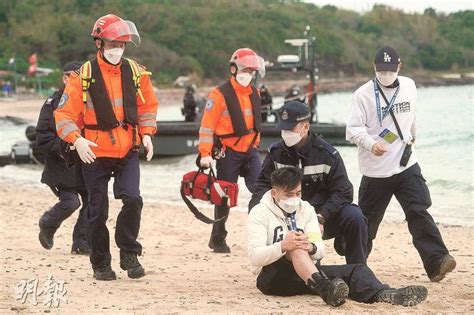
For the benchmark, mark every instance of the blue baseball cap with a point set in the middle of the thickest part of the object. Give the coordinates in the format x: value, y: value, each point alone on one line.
x: 291, y: 114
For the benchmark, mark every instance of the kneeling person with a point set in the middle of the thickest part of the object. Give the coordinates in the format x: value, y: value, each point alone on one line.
x: 284, y: 244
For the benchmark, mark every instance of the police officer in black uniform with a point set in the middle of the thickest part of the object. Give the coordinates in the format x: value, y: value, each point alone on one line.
x: 325, y: 183
x: 62, y: 173
x: 189, y: 104
x: 266, y: 101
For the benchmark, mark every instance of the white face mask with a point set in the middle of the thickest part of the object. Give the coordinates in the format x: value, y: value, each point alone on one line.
x: 291, y: 138
x: 290, y: 205
x: 113, y: 55
x: 386, y: 78
x: 244, y: 78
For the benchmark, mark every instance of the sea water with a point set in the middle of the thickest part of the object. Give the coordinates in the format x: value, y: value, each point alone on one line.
x: 444, y: 147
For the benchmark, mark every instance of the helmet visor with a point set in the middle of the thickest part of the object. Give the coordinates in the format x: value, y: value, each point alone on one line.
x: 253, y: 62
x: 124, y: 31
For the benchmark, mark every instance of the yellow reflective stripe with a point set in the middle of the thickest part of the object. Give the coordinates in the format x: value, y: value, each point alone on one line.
x: 314, y: 237
x: 85, y: 76
x: 136, y: 78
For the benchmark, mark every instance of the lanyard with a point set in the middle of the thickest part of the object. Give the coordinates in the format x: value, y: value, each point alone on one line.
x: 291, y: 221
x: 390, y: 104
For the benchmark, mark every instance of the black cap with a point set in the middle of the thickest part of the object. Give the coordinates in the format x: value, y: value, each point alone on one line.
x: 291, y: 114
x: 72, y: 66
x: 386, y: 59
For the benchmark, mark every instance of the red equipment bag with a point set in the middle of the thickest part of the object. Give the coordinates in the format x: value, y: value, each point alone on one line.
x: 202, y: 186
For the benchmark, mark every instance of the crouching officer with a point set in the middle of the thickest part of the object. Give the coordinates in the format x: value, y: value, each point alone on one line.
x: 230, y: 132
x: 285, y: 248
x: 113, y: 97
x: 62, y: 173
x: 325, y: 183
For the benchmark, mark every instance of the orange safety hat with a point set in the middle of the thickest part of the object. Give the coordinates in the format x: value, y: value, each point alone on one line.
x: 244, y: 58
x: 113, y: 28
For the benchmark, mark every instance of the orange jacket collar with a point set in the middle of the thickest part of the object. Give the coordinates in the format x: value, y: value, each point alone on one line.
x: 105, y: 66
x: 246, y: 90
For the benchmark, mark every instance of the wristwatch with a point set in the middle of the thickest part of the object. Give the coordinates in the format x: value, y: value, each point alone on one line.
x: 314, y: 250
x: 321, y: 219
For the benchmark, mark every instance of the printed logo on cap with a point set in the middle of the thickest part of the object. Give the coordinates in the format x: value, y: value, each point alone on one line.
x: 284, y: 115
x: 386, y: 57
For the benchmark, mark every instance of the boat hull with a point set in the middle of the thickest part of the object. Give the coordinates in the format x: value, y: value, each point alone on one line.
x: 175, y: 138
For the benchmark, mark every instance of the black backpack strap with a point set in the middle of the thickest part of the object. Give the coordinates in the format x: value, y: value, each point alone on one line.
x: 233, y: 106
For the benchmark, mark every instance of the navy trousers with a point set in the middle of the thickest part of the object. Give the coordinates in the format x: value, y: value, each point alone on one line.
x: 126, y: 187
x: 280, y: 278
x: 411, y: 191
x: 350, y: 223
x: 229, y: 168
x: 68, y: 203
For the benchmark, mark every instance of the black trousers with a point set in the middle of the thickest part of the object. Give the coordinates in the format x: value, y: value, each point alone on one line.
x: 280, y: 278
x: 352, y: 224
x: 234, y: 164
x: 409, y: 187
x: 126, y: 187
x: 68, y: 203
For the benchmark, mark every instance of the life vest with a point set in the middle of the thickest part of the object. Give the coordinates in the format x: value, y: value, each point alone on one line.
x: 237, y: 117
x: 93, y: 82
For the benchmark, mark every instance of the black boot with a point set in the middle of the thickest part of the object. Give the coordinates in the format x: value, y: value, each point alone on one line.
x: 219, y: 247
x: 445, y: 265
x: 104, y: 273
x: 46, y: 236
x: 80, y: 247
x: 129, y: 262
x: 408, y: 296
x: 334, y: 292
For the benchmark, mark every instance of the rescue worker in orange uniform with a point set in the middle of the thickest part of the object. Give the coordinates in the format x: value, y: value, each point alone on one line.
x: 230, y: 132
x: 105, y: 112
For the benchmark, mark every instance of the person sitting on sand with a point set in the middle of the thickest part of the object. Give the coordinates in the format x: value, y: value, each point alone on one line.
x: 285, y: 247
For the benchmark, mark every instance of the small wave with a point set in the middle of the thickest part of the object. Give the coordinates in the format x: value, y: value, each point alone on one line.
x: 447, y: 140
x: 453, y: 184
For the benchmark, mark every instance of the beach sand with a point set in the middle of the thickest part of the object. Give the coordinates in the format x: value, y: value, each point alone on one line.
x: 183, y: 275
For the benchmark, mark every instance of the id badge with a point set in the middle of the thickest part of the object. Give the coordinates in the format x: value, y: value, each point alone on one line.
x: 388, y: 136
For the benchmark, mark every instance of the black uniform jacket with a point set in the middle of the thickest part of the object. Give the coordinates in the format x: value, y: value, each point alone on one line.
x: 62, y: 168
x: 325, y: 183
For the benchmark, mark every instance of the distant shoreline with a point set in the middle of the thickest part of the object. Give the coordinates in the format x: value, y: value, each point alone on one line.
x: 172, y: 95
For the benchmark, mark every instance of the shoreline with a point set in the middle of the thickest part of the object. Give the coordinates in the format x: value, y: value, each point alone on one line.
x: 183, y: 275
x: 28, y: 106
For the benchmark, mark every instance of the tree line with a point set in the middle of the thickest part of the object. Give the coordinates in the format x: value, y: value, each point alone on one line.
x: 198, y: 36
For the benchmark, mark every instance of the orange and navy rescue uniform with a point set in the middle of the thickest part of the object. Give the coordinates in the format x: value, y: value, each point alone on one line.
x: 216, y: 120
x: 72, y: 113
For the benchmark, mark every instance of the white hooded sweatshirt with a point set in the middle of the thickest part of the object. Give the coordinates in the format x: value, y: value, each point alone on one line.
x: 266, y: 229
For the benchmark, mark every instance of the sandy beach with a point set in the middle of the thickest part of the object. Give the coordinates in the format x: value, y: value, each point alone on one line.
x: 183, y: 275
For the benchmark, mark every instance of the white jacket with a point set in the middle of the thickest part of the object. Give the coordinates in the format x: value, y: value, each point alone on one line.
x: 363, y: 127
x: 266, y: 228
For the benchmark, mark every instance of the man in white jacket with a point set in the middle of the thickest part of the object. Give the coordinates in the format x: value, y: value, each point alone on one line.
x: 382, y: 124
x: 285, y: 246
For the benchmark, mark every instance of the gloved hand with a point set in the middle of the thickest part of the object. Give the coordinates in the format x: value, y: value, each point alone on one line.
x: 206, y: 161
x: 82, y: 146
x: 148, y: 144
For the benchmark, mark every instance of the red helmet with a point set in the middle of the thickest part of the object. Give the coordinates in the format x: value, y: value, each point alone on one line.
x: 247, y: 58
x: 113, y: 28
